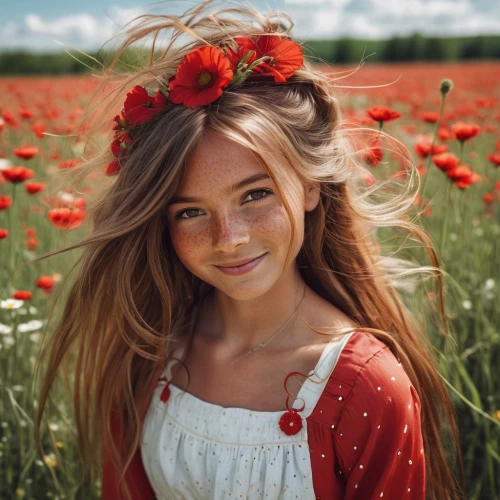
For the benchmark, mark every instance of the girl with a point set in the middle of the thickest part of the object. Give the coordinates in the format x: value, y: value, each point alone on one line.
x: 239, y: 334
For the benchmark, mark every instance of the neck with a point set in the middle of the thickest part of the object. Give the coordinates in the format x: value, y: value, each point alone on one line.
x: 238, y: 326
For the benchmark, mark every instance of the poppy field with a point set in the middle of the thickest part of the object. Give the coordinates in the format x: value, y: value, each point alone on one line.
x: 448, y: 118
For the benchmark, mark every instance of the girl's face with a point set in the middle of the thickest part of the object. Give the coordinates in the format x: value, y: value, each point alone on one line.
x: 211, y: 224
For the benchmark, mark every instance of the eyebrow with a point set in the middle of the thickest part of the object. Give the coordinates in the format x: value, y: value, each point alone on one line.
x: 228, y: 190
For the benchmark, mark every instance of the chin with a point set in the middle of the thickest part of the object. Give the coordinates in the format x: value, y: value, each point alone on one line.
x: 244, y: 287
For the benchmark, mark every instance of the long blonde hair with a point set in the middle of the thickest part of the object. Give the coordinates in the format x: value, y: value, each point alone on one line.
x: 132, y: 299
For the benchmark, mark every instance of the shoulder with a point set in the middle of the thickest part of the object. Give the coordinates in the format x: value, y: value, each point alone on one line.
x: 365, y: 359
x: 367, y: 375
x: 377, y: 431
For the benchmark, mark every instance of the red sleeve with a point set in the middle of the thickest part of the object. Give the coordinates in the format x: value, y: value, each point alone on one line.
x: 378, y: 441
x: 135, y: 476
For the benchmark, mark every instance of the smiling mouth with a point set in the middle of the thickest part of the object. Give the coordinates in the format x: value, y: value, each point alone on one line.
x: 242, y: 263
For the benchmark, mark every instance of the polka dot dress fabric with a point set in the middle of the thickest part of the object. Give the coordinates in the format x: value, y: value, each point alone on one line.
x: 360, y: 438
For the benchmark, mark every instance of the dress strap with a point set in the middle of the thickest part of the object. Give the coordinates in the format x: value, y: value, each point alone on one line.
x: 314, y: 385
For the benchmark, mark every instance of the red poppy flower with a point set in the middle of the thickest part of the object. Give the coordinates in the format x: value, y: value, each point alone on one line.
x: 38, y: 128
x: 10, y: 118
x: 22, y: 295
x: 66, y: 218
x: 3, y: 233
x: 290, y: 422
x: 200, y: 77
x: 287, y: 55
x: 495, y: 159
x: 373, y: 155
x: 112, y: 169
x: 120, y: 143
x: 139, y: 106
x: 430, y: 116
x: 5, y: 202
x: 443, y: 133
x: 34, y: 187
x: 45, y: 282
x: 31, y: 231
x: 32, y: 243
x: 17, y: 174
x: 488, y: 198
x: 463, y: 176
x: 382, y: 113
x: 26, y: 113
x: 464, y: 131
x: 26, y: 152
x: 497, y: 186
x: 446, y: 161
x: 423, y: 148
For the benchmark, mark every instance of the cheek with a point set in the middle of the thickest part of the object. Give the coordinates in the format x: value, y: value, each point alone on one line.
x: 273, y: 224
x: 187, y: 243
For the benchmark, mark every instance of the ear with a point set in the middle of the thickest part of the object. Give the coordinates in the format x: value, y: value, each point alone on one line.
x: 311, y: 196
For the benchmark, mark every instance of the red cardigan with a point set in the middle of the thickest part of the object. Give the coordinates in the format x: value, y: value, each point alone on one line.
x: 364, y: 433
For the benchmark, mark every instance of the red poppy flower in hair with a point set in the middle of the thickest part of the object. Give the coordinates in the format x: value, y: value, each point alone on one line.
x: 200, y: 79
x: 285, y: 55
x: 140, y: 107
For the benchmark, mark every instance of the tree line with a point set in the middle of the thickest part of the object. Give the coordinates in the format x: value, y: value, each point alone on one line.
x: 344, y: 50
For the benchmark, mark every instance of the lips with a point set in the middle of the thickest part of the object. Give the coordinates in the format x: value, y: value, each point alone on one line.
x: 239, y: 262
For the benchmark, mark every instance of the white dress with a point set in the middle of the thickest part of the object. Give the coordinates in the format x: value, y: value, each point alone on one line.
x: 193, y: 449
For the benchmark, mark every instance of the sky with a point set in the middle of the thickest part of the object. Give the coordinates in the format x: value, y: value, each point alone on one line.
x: 54, y: 25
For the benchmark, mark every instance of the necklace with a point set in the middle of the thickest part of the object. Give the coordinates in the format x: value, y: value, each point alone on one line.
x: 263, y: 344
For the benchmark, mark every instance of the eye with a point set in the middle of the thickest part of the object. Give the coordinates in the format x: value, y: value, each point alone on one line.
x: 267, y: 192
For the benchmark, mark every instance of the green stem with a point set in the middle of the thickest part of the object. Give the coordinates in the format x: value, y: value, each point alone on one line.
x: 11, y: 226
x: 445, y: 222
x: 429, y: 157
x: 461, y: 152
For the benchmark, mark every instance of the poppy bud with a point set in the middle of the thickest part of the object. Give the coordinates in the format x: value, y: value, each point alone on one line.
x: 445, y: 86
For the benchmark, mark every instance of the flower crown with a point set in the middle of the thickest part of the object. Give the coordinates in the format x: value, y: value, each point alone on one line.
x: 200, y: 78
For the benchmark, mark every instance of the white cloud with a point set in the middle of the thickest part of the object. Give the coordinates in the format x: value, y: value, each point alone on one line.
x: 375, y: 19
x: 82, y: 31
x: 370, y: 19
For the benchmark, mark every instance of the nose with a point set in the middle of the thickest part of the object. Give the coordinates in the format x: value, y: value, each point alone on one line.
x: 229, y: 231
